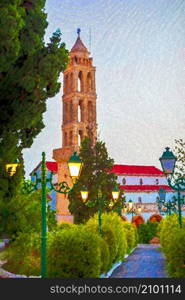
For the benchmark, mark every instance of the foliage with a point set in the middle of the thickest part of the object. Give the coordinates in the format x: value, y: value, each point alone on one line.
x: 113, y: 234
x: 147, y: 231
x: 23, y: 255
x: 29, y: 72
x: 24, y: 214
x: 180, y: 153
x: 131, y: 235
x: 94, y: 176
x: 74, y: 253
x: 172, y: 239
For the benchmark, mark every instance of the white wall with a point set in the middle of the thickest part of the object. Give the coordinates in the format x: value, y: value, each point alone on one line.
x: 147, y: 197
x: 148, y: 180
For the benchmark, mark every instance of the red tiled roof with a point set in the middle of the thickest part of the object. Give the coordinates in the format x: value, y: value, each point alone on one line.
x: 136, y: 170
x: 52, y: 166
x: 144, y: 188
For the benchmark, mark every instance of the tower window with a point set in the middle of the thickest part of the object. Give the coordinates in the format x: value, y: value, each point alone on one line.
x: 80, y: 116
x: 89, y: 82
x: 80, y: 82
x: 80, y: 138
x: 157, y: 181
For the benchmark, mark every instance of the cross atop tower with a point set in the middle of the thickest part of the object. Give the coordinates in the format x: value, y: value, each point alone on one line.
x: 78, y: 31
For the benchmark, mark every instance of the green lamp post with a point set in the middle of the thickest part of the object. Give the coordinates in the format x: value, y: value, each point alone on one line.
x: 168, y: 161
x: 131, y: 209
x: 74, y: 165
x: 100, y: 201
x: 163, y: 205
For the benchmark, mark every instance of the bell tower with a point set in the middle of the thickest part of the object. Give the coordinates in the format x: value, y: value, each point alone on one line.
x: 79, y: 116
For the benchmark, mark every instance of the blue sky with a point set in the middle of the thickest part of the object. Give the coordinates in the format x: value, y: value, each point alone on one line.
x: 138, y: 48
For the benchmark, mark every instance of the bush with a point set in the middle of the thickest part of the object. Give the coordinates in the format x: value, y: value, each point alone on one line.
x: 113, y: 233
x: 131, y: 235
x: 172, y: 239
x: 74, y: 253
x: 147, y: 231
x: 23, y: 255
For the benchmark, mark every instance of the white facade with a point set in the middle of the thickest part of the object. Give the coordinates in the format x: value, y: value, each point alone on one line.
x: 146, y: 180
x: 146, y: 197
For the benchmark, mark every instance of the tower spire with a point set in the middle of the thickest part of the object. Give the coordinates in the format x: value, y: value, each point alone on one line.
x: 78, y: 31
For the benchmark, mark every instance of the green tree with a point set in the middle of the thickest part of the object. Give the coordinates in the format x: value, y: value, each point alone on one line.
x: 180, y: 153
x: 29, y: 71
x: 95, y: 176
x: 24, y: 214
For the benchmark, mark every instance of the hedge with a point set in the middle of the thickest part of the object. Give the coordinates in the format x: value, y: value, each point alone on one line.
x: 74, y: 251
x: 147, y: 231
x: 172, y: 239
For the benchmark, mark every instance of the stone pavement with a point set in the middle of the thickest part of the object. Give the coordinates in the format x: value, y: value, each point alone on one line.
x: 146, y: 261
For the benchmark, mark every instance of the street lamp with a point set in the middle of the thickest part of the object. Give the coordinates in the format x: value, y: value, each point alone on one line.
x: 163, y: 205
x: 74, y: 165
x: 168, y: 161
x: 131, y: 209
x: 100, y: 201
x: 12, y: 168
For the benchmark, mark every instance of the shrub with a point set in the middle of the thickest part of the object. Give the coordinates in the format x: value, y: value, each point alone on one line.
x: 113, y: 233
x: 23, y: 255
x: 147, y: 231
x: 108, y: 237
x: 131, y: 235
x: 172, y: 239
x: 74, y: 253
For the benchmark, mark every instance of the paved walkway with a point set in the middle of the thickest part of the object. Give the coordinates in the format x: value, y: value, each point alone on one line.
x: 147, y: 261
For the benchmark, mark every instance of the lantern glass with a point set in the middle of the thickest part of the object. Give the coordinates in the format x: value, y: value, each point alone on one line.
x: 84, y: 194
x: 162, y: 194
x: 11, y: 168
x: 115, y: 193
x: 75, y: 166
x: 168, y: 160
x: 139, y: 210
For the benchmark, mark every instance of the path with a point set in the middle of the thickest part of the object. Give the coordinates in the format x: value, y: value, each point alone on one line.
x: 147, y: 261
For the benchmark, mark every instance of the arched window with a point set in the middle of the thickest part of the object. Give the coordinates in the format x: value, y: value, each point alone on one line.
x: 123, y: 181
x: 80, y: 86
x: 80, y: 116
x: 89, y: 82
x: 157, y: 181
x: 140, y: 181
x: 80, y: 138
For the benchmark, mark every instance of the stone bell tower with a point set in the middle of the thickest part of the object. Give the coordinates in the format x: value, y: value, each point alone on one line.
x: 79, y: 116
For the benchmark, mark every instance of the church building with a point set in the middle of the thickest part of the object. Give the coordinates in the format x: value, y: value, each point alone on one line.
x: 140, y: 183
